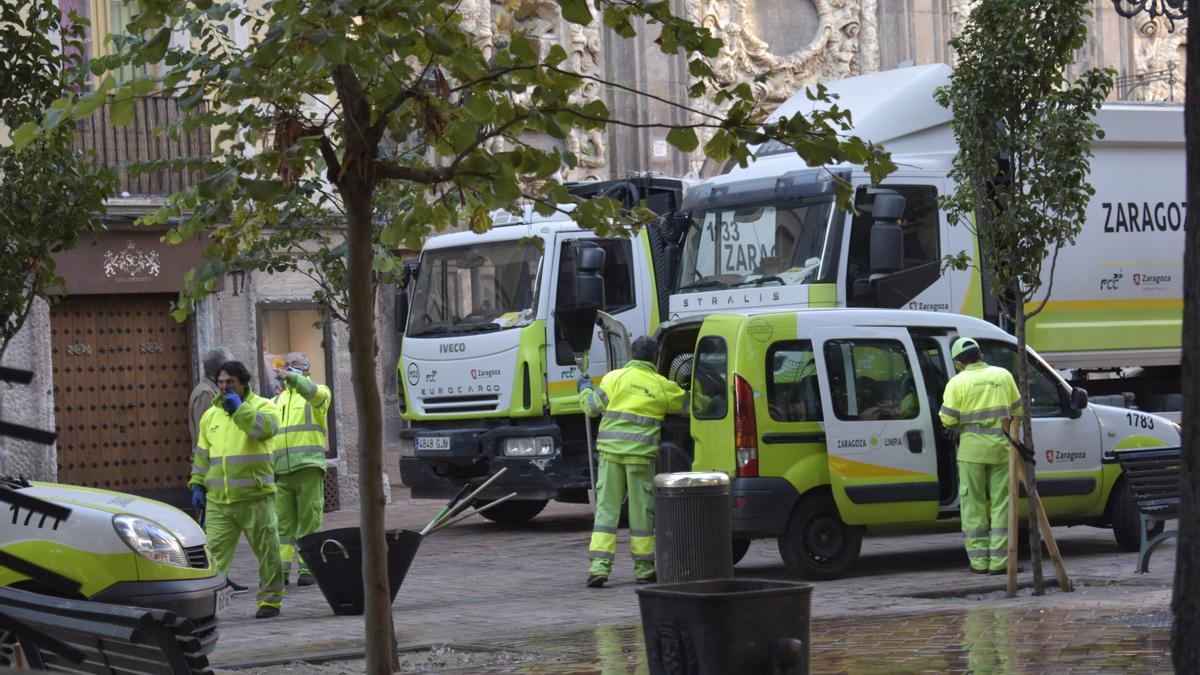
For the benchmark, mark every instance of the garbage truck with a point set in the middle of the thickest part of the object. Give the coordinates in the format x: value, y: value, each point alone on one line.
x: 486, y: 376
x: 772, y: 235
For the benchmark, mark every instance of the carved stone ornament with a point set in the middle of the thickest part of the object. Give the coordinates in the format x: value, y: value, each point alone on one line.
x: 79, y: 349
x: 151, y: 347
x: 844, y: 43
x: 131, y: 263
x: 1155, y: 51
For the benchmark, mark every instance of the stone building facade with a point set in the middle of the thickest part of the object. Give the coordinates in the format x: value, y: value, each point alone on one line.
x: 801, y: 42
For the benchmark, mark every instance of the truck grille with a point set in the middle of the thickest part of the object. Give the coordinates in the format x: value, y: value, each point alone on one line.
x: 461, y: 404
x: 197, y: 557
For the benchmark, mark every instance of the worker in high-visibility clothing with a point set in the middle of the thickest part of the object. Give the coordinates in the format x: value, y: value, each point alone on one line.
x: 979, y: 402
x: 233, y: 475
x: 633, y: 399
x: 299, y: 459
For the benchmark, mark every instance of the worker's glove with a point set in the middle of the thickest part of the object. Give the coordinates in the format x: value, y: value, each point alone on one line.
x: 231, y: 402
x: 198, y: 498
x: 582, y: 383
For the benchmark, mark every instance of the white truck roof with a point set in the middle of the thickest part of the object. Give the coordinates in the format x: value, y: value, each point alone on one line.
x: 844, y: 316
x: 508, y: 227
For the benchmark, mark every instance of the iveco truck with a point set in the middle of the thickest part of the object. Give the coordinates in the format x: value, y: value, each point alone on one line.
x: 486, y: 376
x: 771, y: 235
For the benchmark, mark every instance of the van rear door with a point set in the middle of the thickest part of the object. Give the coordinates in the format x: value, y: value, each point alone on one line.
x: 878, y: 425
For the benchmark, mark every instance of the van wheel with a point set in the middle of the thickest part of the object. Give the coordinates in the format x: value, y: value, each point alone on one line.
x: 817, y: 544
x: 740, y: 546
x: 515, y: 512
x: 1127, y: 521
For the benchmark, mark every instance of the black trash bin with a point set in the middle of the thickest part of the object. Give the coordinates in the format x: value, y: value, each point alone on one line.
x: 723, y: 626
x: 692, y: 527
x: 335, y: 559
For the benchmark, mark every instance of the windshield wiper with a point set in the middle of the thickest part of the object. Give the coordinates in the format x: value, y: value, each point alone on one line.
x: 475, y: 328
x: 762, y: 280
x: 707, y: 283
x: 432, y: 330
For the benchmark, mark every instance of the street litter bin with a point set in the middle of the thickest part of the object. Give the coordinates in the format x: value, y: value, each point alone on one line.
x: 692, y: 528
x: 722, y: 626
x: 335, y: 559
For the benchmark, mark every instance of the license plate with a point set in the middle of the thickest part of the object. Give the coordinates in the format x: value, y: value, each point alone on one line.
x: 433, y: 442
x: 224, y: 598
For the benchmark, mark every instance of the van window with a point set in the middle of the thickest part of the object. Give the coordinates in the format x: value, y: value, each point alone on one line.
x: 1045, y: 394
x: 618, y: 286
x: 793, y: 394
x: 871, y: 380
x: 710, y: 385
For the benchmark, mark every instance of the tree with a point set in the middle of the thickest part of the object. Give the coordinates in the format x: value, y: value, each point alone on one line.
x: 329, y: 105
x: 1185, y: 602
x: 42, y: 60
x: 1025, y: 132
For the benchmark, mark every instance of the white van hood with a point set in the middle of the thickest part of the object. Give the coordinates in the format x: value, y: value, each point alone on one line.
x: 98, y: 505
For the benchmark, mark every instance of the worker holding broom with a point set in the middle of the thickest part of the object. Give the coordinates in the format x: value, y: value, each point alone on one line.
x: 633, y: 399
x: 979, y: 401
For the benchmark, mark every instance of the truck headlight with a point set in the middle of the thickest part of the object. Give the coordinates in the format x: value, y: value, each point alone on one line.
x: 408, y: 447
x: 529, y: 446
x: 150, y: 540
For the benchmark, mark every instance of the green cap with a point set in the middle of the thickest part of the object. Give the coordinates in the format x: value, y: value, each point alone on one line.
x: 961, y: 345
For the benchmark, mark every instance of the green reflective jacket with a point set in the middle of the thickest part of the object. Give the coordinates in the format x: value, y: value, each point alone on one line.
x: 232, y: 459
x: 303, y: 411
x: 976, y: 401
x: 634, y: 400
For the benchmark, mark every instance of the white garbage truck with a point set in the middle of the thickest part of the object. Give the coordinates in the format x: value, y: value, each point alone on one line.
x: 486, y: 376
x: 771, y: 235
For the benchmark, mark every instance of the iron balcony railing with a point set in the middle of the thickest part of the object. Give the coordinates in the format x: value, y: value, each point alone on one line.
x: 118, y: 147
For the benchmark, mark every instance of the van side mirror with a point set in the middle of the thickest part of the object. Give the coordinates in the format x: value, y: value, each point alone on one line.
x: 1079, y: 400
x: 887, y: 237
x: 589, y: 277
x: 400, y: 315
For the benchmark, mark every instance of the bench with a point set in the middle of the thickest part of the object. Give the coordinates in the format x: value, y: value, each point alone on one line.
x: 1153, y: 477
x: 80, y: 636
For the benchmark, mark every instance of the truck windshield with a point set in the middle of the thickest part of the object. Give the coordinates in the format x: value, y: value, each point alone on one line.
x: 787, y: 242
x: 473, y: 289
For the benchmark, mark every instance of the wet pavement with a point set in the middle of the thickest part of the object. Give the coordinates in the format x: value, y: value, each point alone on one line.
x: 909, y: 606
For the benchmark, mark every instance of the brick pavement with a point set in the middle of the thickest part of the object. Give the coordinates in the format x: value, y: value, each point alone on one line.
x: 522, y: 588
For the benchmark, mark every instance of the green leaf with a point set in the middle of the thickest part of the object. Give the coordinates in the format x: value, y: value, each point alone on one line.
x: 121, y: 112
x: 25, y: 134
x: 683, y: 138
x: 576, y: 11
x: 437, y: 43
x: 335, y: 50
x: 156, y: 47
x: 261, y: 190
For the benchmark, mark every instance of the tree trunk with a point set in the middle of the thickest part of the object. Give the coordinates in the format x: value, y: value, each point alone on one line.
x: 1185, y: 635
x: 1035, y: 532
x: 380, y: 636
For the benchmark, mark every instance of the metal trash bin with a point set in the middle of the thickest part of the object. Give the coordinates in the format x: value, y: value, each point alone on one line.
x: 692, y: 531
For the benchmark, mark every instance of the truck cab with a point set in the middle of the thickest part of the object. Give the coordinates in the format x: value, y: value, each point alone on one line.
x: 486, y: 374
x: 826, y: 421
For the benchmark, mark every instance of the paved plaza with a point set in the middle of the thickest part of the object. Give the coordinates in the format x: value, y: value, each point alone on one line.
x: 517, y: 593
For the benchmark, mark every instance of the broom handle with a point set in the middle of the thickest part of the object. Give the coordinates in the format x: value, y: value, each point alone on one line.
x: 464, y: 516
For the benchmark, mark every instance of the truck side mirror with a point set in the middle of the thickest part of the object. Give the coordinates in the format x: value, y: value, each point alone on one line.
x: 589, y: 277
x: 400, y: 316
x: 863, y: 292
x: 887, y: 237
x: 1079, y: 400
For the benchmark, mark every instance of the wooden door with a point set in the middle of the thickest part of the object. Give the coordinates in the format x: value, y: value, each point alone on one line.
x: 121, y: 384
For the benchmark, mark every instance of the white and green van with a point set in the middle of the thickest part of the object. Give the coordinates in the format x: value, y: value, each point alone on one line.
x: 122, y: 549
x: 826, y: 419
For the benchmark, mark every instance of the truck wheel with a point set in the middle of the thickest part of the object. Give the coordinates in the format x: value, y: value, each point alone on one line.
x: 817, y: 544
x: 1127, y: 521
x: 515, y: 512
x: 740, y: 546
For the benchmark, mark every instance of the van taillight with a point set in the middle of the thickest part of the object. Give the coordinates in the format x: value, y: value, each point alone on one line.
x: 745, y: 429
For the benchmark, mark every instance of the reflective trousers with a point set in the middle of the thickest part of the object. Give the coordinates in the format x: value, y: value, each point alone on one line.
x: 614, y: 480
x: 223, y: 523
x: 983, y: 503
x: 300, y: 503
